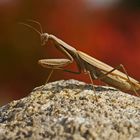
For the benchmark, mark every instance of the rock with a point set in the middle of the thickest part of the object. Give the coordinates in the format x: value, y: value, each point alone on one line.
x: 70, y: 110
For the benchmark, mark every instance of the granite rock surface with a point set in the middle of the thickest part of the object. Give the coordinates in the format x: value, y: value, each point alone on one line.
x: 71, y: 110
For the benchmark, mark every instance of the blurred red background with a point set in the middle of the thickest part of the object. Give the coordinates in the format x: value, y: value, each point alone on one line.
x: 107, y: 30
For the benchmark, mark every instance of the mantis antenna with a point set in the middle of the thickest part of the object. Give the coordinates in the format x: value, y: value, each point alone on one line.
x: 31, y: 27
x: 36, y: 22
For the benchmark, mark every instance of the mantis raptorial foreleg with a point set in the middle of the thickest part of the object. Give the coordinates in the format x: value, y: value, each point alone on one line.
x: 65, y: 52
x: 57, y: 64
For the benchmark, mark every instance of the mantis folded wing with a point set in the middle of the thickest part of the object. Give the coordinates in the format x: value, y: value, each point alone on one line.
x: 110, y: 75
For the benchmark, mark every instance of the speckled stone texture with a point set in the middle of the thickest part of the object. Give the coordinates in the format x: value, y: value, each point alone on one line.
x: 71, y: 110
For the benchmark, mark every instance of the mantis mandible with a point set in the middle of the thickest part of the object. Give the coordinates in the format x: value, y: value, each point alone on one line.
x: 86, y: 64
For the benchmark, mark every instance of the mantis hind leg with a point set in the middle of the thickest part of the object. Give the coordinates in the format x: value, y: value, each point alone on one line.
x: 117, y: 68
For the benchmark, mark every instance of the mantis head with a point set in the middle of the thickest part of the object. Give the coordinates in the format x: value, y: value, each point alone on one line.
x: 44, y: 38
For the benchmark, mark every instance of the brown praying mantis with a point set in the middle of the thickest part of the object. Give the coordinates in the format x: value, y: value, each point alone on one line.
x: 86, y: 64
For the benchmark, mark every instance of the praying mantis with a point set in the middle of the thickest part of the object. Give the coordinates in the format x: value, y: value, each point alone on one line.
x: 95, y: 68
